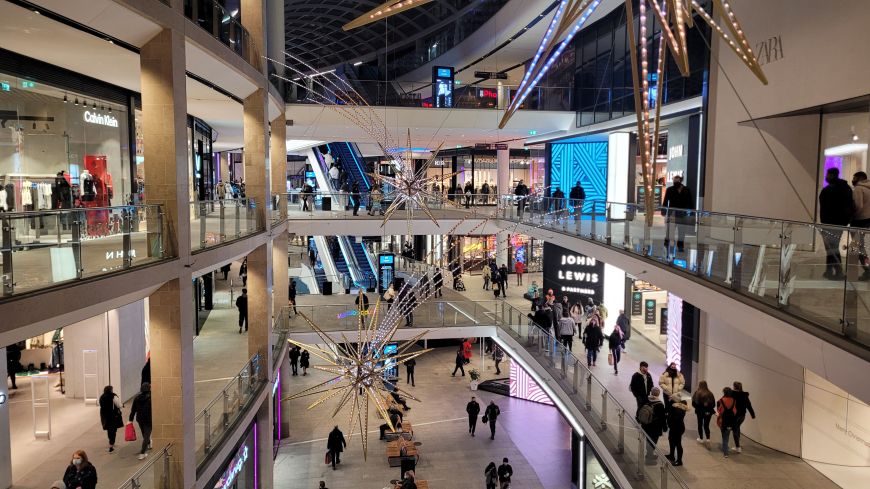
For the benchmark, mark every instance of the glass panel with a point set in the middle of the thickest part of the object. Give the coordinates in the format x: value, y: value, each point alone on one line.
x: 758, y: 260
x: 715, y: 248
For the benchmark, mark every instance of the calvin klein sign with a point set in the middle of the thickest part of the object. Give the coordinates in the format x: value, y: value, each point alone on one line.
x: 101, y: 119
x: 573, y: 274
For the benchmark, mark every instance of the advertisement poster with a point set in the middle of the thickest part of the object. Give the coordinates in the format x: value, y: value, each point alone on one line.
x: 636, y: 303
x: 649, y: 311
x: 573, y: 274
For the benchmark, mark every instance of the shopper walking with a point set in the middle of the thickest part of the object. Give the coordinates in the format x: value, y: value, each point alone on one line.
x: 362, y: 301
x: 496, y: 285
x: 110, y: 415
x: 408, y: 304
x: 677, y: 198
x: 497, y: 357
x: 567, y: 329
x: 505, y: 472
x: 473, y: 409
x: 490, y: 476
x: 641, y: 384
x: 335, y: 444
x: 653, y: 420
x: 593, y: 339
x: 861, y: 219
x: 836, y: 207
x: 741, y: 398
x: 226, y: 270
x: 624, y: 324
x: 487, y: 278
x: 503, y: 277
x: 291, y: 295
x: 409, y: 370
x: 459, y: 362
x: 438, y: 280
x: 726, y: 409
x: 521, y: 192
x: 80, y: 473
x: 390, y: 295
x: 577, y: 196
x: 294, y: 354
x: 519, y: 269
x: 304, y: 359
x: 676, y: 428
x: 356, y: 197
x: 672, y: 382
x: 490, y: 416
x: 141, y: 412
x: 376, y: 196
x: 614, y: 345
x: 13, y: 362
x: 242, y: 306
x: 704, y: 403
x: 466, y: 350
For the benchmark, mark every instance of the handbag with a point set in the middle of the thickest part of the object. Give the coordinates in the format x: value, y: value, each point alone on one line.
x: 610, y: 358
x: 485, y: 419
x: 326, y: 458
x: 129, y: 432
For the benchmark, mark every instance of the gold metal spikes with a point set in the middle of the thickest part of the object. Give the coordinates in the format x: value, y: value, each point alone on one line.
x: 357, y: 371
x: 386, y: 9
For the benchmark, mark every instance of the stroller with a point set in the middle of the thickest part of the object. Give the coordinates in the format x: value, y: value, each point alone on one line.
x: 458, y: 284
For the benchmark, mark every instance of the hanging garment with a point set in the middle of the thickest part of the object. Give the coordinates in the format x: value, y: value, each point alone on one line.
x: 26, y: 198
x: 3, y: 206
x: 10, y: 197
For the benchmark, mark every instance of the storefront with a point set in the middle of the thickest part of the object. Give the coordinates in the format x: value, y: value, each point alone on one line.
x: 63, y: 144
x: 204, y: 172
x: 479, y: 166
x: 240, y: 469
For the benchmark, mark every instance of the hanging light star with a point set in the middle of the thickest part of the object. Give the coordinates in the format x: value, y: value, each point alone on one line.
x: 358, y: 371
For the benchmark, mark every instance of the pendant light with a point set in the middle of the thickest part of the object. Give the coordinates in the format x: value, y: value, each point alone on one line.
x: 77, y: 101
x: 94, y: 106
x: 65, y: 100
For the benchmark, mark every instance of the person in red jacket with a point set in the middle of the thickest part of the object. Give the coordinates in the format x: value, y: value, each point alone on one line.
x: 466, y: 350
x: 520, y: 268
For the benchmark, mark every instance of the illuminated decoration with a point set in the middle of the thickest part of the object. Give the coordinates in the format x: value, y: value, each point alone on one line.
x: 523, y: 386
x: 674, y: 16
x: 235, y: 468
x: 353, y: 313
x: 386, y: 9
x: 580, y: 162
x: 359, y: 368
x: 674, y: 351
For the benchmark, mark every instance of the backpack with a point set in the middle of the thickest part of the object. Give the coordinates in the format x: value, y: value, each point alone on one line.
x: 727, y: 413
x: 646, y: 414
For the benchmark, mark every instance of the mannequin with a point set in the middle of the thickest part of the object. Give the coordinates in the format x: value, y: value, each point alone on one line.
x: 62, y: 192
x: 87, y: 189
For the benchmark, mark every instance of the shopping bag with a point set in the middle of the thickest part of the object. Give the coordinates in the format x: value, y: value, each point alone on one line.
x: 610, y: 358
x: 326, y: 459
x: 129, y: 432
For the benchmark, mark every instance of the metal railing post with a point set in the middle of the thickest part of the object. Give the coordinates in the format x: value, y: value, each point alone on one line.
x: 593, y: 226
x: 203, y: 213
x: 78, y: 220
x: 238, y: 227
x: 126, y: 239
x: 226, y: 415
x: 223, y: 220
x: 564, y: 366
x: 576, y: 376
x: 641, y: 455
x: 206, y: 419
x: 589, y: 392
x: 647, y: 240
x: 608, y: 225
x: 664, y: 472
x: 620, y: 440
x: 6, y: 252
x: 736, y: 277
x: 166, y: 472
x: 604, y: 410
x: 162, y: 231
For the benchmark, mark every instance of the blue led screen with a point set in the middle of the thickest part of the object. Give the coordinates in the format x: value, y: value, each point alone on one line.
x: 583, y: 162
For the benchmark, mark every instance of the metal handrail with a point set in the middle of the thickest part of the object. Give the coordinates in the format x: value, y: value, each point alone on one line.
x: 164, y: 455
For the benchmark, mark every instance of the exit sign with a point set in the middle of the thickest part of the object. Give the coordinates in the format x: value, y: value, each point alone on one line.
x: 27, y: 84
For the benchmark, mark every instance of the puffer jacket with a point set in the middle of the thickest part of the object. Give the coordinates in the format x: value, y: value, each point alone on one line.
x: 861, y: 196
x: 671, y: 385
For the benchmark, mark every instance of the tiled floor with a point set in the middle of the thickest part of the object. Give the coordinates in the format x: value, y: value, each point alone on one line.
x: 450, y: 458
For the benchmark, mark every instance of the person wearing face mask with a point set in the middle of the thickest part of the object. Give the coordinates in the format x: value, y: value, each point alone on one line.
x: 677, y: 197
x: 861, y: 218
x: 672, y: 383
x: 836, y: 207
x: 80, y: 474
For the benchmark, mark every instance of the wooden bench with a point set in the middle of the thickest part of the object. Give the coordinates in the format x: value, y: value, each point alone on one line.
x: 394, y: 457
x: 407, y: 432
x: 421, y: 484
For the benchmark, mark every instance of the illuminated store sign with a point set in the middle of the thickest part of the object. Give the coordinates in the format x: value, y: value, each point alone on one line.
x: 101, y: 119
x: 235, y: 468
x: 572, y: 274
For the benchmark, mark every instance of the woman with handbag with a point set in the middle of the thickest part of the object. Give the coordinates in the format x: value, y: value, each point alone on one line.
x: 110, y: 415
x: 614, y: 343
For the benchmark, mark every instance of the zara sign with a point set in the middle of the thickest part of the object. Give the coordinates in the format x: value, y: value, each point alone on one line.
x: 573, y: 274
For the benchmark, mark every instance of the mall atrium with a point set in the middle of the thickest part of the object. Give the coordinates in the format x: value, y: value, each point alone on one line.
x: 624, y: 239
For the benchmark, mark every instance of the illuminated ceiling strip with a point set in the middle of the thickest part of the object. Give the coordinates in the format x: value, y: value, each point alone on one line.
x: 386, y: 9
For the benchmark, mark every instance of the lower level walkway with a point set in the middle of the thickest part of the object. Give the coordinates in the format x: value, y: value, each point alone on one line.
x: 534, y: 437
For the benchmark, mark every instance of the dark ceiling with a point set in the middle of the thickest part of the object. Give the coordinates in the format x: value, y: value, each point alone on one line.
x: 313, y: 28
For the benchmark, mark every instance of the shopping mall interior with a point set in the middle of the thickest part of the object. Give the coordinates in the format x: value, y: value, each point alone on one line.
x: 618, y: 244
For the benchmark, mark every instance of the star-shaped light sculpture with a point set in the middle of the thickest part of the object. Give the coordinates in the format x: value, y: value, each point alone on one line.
x: 358, y: 370
x: 675, y: 18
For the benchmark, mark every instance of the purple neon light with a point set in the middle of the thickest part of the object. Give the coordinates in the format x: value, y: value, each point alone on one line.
x: 834, y: 162
x: 558, y: 52
x: 256, y: 449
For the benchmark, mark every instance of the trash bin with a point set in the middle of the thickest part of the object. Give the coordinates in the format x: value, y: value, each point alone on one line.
x: 326, y: 203
x: 327, y: 288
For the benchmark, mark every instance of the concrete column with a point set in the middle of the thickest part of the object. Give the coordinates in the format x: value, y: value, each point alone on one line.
x: 501, y: 251
x: 260, y: 303
x: 503, y: 174
x: 278, y: 161
x: 253, y: 15
x: 280, y: 272
x: 264, y: 445
x: 164, y: 124
x: 285, y: 390
x: 256, y: 150
x: 5, y: 435
x: 172, y: 366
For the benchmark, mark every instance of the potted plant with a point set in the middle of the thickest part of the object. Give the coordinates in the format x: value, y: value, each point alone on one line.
x: 475, y: 378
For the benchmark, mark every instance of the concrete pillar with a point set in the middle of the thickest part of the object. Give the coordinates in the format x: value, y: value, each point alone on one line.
x: 172, y: 366
x: 253, y: 15
x: 285, y: 389
x: 264, y: 445
x: 5, y: 435
x: 275, y: 29
x: 164, y: 125
x: 278, y: 161
x: 164, y: 119
x: 260, y: 302
x: 256, y: 135
x: 280, y: 273
x: 503, y: 173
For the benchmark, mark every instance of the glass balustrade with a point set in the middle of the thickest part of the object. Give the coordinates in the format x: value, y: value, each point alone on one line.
x: 215, y: 222
x: 42, y: 249
x: 154, y: 474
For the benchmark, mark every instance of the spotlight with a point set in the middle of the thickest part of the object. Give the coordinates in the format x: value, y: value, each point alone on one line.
x: 94, y: 106
x: 65, y: 100
x: 34, y: 125
x: 110, y: 109
x: 77, y: 101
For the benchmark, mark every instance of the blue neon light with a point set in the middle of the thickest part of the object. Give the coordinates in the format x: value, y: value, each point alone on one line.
x: 580, y: 162
x: 386, y: 259
x: 445, y: 73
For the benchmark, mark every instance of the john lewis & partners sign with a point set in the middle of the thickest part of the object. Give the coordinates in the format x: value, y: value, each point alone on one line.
x: 573, y: 274
x: 101, y: 119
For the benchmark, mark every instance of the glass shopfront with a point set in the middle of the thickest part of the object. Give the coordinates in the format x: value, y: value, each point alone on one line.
x: 61, y: 149
x: 479, y: 167
x: 844, y: 142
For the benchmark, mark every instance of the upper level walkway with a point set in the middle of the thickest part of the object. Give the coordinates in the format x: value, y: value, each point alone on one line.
x: 593, y: 400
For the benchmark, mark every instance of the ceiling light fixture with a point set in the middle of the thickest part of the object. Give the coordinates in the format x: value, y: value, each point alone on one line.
x: 65, y: 100
x: 77, y: 101
x: 94, y: 106
x: 386, y: 9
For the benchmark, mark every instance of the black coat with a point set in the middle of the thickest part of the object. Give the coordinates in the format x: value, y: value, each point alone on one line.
x: 492, y: 412
x: 659, y: 423
x: 303, y: 359
x: 577, y: 193
x: 336, y: 442
x: 614, y: 341
x: 638, y: 387
x: 294, y: 355
x: 676, y: 422
x: 460, y: 358
x: 110, y: 416
x: 743, y: 403
x: 85, y: 478
x: 593, y: 338
x: 681, y: 198
x: 141, y: 410
x: 543, y: 318
x: 521, y: 190
x: 836, y: 205
x: 472, y: 408
x: 623, y: 322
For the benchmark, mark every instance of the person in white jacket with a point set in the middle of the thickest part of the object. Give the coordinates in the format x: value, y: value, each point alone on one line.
x: 672, y: 382
x: 861, y: 218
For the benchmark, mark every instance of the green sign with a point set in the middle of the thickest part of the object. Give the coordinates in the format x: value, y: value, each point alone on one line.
x: 27, y: 84
x: 5, y: 86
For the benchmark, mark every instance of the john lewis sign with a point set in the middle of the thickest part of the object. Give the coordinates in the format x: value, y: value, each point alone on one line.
x: 573, y: 274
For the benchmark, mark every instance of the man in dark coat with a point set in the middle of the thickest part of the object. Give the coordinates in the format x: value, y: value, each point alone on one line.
x: 503, y: 279
x: 641, y: 384
x: 335, y: 444
x: 355, y: 197
x: 409, y: 367
x: 141, y: 412
x: 836, y: 207
x: 522, y: 195
x: 473, y: 409
x: 624, y: 324
x: 657, y: 425
x: 438, y: 280
x: 678, y: 197
x: 490, y: 415
x: 242, y: 305
x: 294, y: 359
x: 577, y: 196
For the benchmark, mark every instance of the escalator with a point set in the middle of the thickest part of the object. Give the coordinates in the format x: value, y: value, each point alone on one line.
x: 368, y: 277
x: 350, y: 159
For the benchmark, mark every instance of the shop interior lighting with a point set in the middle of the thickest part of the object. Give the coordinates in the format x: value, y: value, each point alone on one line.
x: 77, y: 101
x: 65, y: 100
x: 846, y: 149
x: 386, y: 9
x: 94, y: 106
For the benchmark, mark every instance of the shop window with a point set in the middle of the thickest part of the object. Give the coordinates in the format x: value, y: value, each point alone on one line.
x: 844, y: 142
